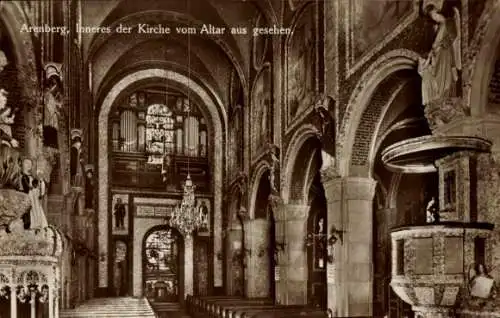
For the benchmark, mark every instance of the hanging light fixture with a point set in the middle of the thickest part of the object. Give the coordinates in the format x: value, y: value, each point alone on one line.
x: 185, y: 217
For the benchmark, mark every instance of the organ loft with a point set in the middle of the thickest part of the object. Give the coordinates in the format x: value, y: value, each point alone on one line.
x: 232, y: 158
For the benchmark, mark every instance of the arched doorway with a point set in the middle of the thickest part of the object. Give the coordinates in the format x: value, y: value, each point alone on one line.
x: 316, y: 246
x: 162, y: 249
x: 263, y: 210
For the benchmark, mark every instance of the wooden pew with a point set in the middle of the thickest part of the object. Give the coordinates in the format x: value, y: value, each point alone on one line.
x: 216, y: 308
x: 198, y: 305
x: 306, y: 313
x: 276, y: 311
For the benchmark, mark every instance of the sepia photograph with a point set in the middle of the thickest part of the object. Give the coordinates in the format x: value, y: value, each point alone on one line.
x: 249, y: 158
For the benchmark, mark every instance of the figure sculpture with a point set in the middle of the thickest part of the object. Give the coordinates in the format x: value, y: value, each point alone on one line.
x: 7, y: 116
x: 440, y: 70
x: 53, y: 105
x: 3, y: 61
x: 432, y: 213
x: 35, y: 188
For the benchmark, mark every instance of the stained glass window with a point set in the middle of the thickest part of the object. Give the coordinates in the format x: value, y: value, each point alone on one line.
x: 159, y: 130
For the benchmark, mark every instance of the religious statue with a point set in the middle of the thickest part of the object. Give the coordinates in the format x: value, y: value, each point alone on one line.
x: 142, y: 100
x: 75, y: 161
x: 440, y: 71
x: 273, y: 170
x: 89, y: 188
x: 119, y: 212
x: 3, y: 61
x: 23, y: 302
x: 5, y: 302
x: 7, y: 116
x: 133, y: 100
x: 203, y: 211
x: 35, y: 188
x: 432, y: 211
x: 42, y: 302
x: 52, y: 105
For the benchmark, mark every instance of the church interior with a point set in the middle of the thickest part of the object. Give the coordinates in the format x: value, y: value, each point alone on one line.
x: 249, y: 158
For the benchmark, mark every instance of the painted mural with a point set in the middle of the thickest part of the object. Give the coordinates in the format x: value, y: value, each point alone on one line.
x: 120, y: 214
x: 301, y: 64
x: 261, y: 111
x: 371, y: 21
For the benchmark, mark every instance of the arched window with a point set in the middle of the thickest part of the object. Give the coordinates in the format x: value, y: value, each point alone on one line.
x: 159, y: 131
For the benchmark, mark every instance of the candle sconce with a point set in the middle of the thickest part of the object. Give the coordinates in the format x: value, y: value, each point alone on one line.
x: 219, y: 255
x: 335, y: 235
x: 325, y: 241
x: 239, y: 255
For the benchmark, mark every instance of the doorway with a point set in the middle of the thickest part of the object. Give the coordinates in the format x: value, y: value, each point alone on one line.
x: 317, y: 246
x: 162, y: 266
x: 120, y: 269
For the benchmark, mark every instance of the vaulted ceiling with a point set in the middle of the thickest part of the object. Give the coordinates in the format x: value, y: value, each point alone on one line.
x: 208, y: 59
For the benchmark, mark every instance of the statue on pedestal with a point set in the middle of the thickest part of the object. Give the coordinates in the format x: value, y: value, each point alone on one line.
x: 432, y: 211
x: 35, y: 188
x: 440, y: 70
x: 7, y: 116
x: 52, y: 104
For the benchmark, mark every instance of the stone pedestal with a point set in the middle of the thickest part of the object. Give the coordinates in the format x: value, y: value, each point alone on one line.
x: 257, y: 278
x: 349, y: 276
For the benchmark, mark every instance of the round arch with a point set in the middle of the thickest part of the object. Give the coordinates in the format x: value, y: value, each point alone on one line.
x: 485, y: 44
x: 382, y: 68
x: 213, y: 107
x: 179, y: 239
x: 261, y: 168
x: 299, y: 138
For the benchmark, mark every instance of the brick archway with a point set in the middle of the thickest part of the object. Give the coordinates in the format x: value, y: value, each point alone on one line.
x: 360, y: 107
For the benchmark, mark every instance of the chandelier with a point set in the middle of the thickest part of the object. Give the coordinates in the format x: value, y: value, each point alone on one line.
x: 185, y: 217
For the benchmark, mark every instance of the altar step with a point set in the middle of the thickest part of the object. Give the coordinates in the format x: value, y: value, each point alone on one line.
x: 122, y: 307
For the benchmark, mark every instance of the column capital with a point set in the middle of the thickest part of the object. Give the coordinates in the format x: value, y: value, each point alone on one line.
x: 294, y: 212
x: 350, y: 188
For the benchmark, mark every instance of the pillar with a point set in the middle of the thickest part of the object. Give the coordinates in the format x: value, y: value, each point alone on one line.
x: 52, y: 291
x: 33, y: 304
x: 188, y: 265
x: 13, y: 301
x: 350, y: 276
x: 296, y: 259
x: 234, y: 244
x: 257, y: 278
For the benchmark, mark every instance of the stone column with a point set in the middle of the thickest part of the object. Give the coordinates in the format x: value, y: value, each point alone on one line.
x: 257, y: 276
x: 33, y: 304
x: 188, y: 265
x: 51, y: 302
x: 350, y: 277
x: 279, y: 212
x: 296, y: 267
x: 234, y: 244
x: 13, y: 301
